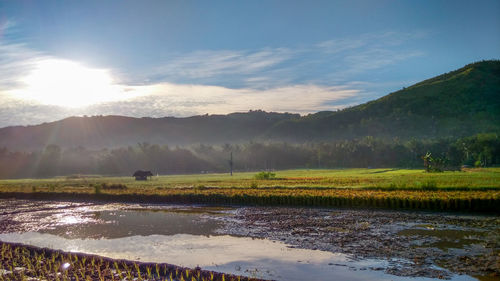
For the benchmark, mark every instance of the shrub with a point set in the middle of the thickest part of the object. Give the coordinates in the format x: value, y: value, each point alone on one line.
x: 265, y: 176
x: 434, y: 164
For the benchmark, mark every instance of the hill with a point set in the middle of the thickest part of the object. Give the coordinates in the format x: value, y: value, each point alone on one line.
x: 113, y: 131
x: 456, y: 104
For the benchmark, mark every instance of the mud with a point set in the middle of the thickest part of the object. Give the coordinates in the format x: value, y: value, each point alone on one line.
x: 413, y: 242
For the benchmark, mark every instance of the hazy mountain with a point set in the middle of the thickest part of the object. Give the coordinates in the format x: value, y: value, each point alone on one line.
x: 114, y: 131
x: 459, y: 103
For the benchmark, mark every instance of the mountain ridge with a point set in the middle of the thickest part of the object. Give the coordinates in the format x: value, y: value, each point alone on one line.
x: 421, y: 110
x: 459, y: 103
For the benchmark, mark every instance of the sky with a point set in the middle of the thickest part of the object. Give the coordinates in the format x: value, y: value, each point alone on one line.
x: 184, y: 58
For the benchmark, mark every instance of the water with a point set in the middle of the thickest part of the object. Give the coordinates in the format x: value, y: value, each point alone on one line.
x: 182, y: 235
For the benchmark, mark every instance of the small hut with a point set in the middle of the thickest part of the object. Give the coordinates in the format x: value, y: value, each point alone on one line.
x: 142, y: 175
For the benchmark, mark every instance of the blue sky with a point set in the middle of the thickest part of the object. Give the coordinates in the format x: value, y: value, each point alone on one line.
x: 180, y: 58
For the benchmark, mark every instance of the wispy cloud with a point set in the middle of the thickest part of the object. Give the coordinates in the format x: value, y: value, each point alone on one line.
x: 15, y: 61
x: 213, y: 65
x: 369, y: 40
x: 341, y: 58
x: 168, y: 99
x: 201, y: 99
x: 322, y: 76
x: 353, y: 56
x: 375, y: 59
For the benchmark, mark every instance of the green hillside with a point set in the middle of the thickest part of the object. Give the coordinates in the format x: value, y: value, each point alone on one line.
x: 459, y: 103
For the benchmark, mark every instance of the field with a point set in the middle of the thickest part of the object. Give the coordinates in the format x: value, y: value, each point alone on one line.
x: 21, y: 262
x: 484, y: 178
x: 471, y: 189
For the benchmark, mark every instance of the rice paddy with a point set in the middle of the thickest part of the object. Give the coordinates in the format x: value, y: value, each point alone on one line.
x: 20, y: 262
x: 469, y: 190
x: 275, y: 243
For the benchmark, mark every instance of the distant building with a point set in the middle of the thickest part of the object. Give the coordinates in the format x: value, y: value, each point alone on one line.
x: 142, y: 175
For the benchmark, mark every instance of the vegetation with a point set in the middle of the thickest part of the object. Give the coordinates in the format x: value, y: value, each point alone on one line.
x: 367, y: 152
x: 434, y: 164
x: 460, y: 103
x: 19, y: 262
x: 468, y: 190
x: 265, y: 176
x: 383, y: 178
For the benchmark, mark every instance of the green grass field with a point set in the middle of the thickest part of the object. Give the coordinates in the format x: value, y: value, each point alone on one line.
x: 486, y: 178
x: 472, y: 189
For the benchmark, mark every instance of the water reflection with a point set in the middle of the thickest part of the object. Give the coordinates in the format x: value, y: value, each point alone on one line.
x: 73, y: 220
x: 124, y: 223
x: 445, y: 239
x: 238, y: 255
x: 190, y: 236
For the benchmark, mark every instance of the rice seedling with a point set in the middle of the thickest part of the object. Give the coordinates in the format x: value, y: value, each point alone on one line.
x: 129, y: 274
x: 19, y: 262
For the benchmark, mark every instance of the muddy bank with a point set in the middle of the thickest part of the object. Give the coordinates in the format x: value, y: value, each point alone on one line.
x: 413, y: 242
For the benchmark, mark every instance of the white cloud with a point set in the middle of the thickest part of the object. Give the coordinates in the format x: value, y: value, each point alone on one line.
x: 302, y: 80
x: 273, y: 67
x: 369, y: 41
x: 208, y: 64
x: 375, y: 59
x: 15, y: 61
x: 342, y: 58
x: 215, y: 99
x: 167, y: 99
x: 352, y: 56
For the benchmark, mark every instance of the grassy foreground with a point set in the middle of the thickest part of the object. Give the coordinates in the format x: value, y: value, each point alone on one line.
x: 20, y: 262
x: 470, y: 190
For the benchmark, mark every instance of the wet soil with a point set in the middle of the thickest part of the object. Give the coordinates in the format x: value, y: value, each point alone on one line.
x: 413, y: 242
x: 416, y: 244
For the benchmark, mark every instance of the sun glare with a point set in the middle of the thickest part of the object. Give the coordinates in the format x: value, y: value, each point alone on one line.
x: 67, y: 83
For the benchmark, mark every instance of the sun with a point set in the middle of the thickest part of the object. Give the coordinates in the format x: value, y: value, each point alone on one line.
x: 68, y: 84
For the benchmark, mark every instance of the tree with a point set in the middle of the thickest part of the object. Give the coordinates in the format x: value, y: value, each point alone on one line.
x: 434, y: 164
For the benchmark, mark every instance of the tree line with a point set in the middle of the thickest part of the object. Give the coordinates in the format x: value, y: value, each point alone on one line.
x: 477, y: 150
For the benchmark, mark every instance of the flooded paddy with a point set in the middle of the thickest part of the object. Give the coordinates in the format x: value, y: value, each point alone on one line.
x: 267, y: 242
